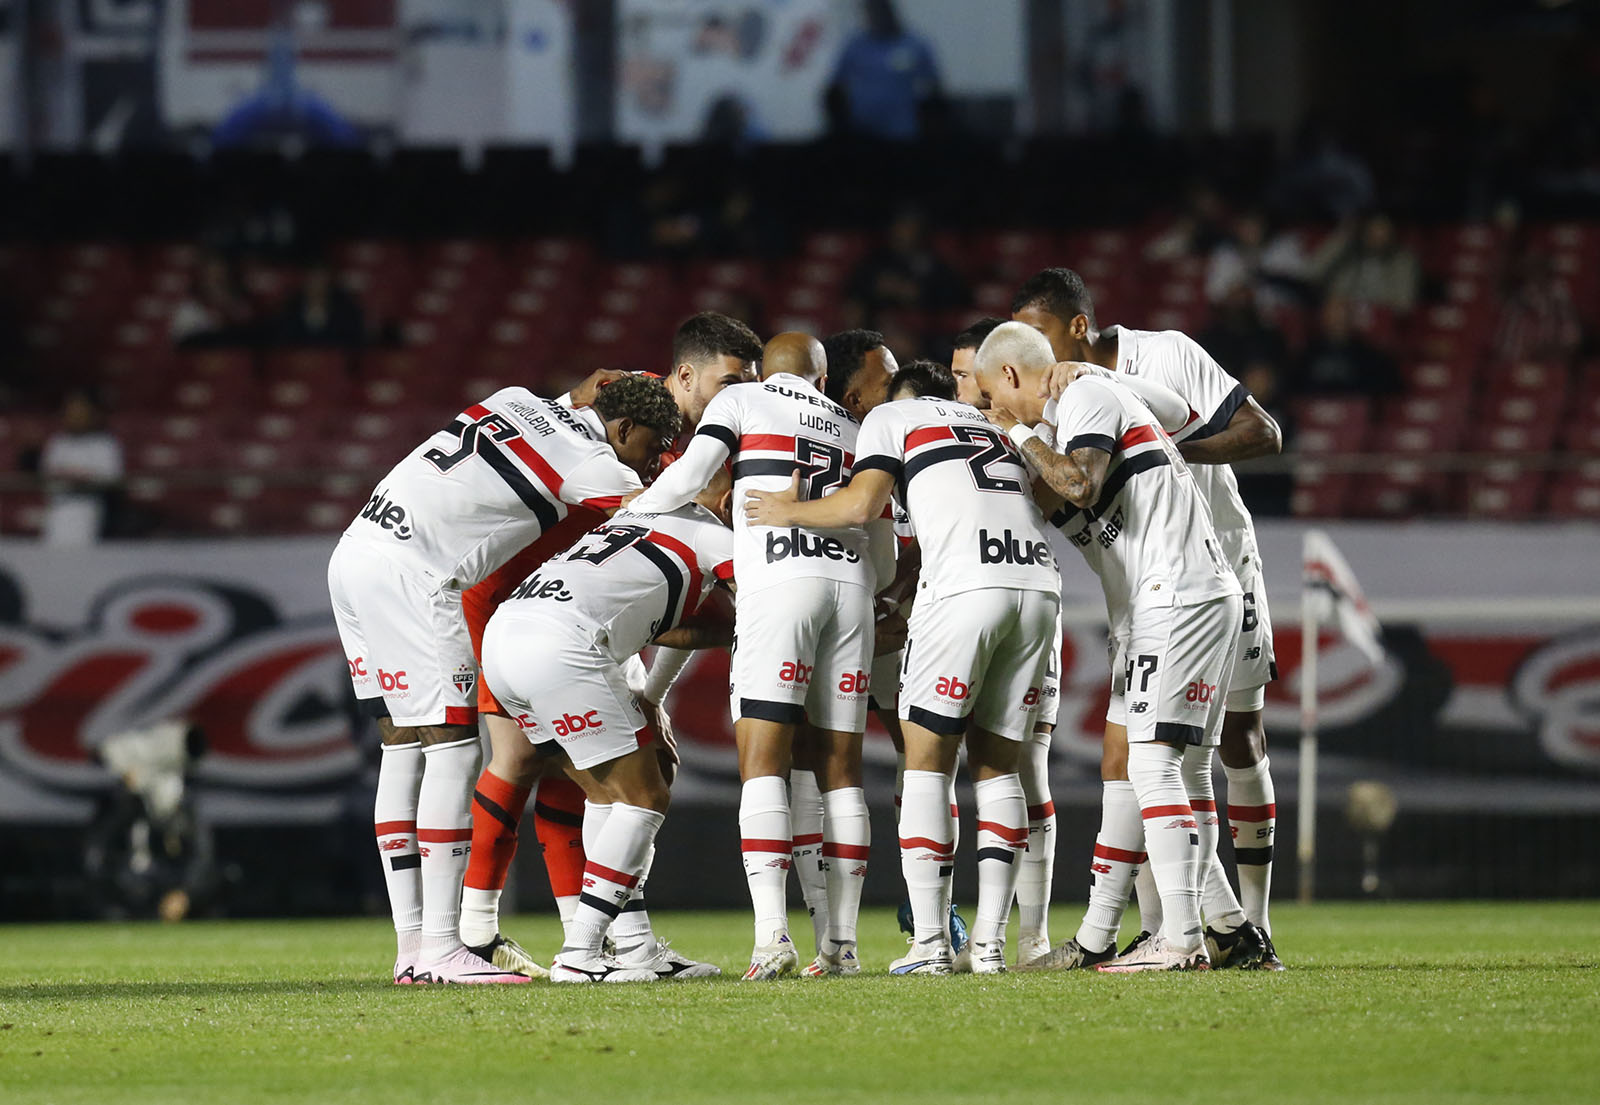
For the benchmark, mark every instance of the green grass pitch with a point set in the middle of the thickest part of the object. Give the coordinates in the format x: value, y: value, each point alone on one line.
x: 1382, y: 1003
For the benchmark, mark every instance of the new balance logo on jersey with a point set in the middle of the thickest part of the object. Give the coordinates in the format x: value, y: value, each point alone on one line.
x: 1006, y: 549
x: 567, y: 724
x: 1253, y: 652
x: 1138, y: 707
x: 781, y: 546
x: 949, y: 686
x: 389, y: 516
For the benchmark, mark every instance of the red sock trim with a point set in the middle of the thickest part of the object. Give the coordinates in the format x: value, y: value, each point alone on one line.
x: 391, y: 828
x: 1167, y: 811
x: 443, y: 836
x: 757, y: 844
x: 1206, y: 805
x: 807, y: 838
x: 1118, y: 855
x: 610, y: 874
x: 1004, y: 832
x: 1039, y: 813
x: 1252, y: 813
x: 845, y: 851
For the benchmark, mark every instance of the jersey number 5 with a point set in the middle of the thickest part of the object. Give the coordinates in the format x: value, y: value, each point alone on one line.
x: 490, y: 428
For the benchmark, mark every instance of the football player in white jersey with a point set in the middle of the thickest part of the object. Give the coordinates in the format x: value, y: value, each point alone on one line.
x: 710, y: 351
x: 803, y: 641
x: 452, y: 511
x: 1036, y: 878
x: 1130, y: 506
x: 1224, y: 425
x: 555, y: 651
x: 988, y: 595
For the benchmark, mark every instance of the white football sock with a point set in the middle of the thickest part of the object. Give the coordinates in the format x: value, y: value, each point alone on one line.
x: 1002, y: 834
x: 846, y: 844
x: 1144, y: 885
x: 1253, y: 818
x: 1171, y: 839
x: 394, y: 816
x: 805, y: 816
x: 614, y: 868
x: 1218, y: 906
x: 927, y: 853
x: 444, y: 836
x: 766, y: 842
x: 1039, y: 861
x: 632, y: 926
x: 1118, y: 849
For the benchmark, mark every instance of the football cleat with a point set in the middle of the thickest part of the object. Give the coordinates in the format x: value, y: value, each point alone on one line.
x: 1155, y: 954
x: 463, y: 966
x: 774, y: 960
x: 1243, y: 947
x: 841, y: 961
x: 989, y: 959
x: 577, y: 965
x: 1137, y: 941
x: 932, y: 958
x: 1070, y: 956
x: 1031, y: 947
x: 1269, y: 957
x: 509, y: 955
x: 404, y: 976
x: 666, y: 963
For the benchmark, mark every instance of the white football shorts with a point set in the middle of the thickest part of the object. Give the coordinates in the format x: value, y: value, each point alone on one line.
x: 1050, y: 688
x: 1254, y: 664
x: 803, y: 652
x: 1169, y: 680
x: 560, y: 687
x: 405, y: 639
x: 979, y: 657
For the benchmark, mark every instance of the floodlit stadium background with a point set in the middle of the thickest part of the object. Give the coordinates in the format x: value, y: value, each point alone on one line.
x: 269, y: 246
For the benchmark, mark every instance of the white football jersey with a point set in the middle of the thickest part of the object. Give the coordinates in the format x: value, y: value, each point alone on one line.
x: 1173, y: 358
x: 489, y: 484
x: 771, y: 430
x: 1149, y: 536
x: 636, y: 576
x: 965, y: 489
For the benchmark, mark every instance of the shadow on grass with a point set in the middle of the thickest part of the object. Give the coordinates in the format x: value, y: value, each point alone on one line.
x: 165, y: 988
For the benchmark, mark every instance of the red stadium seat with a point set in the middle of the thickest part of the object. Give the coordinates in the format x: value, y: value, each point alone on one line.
x: 1505, y: 490
x: 1319, y: 493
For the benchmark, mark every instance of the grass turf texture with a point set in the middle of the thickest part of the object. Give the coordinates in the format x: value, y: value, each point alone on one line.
x: 1394, y: 1003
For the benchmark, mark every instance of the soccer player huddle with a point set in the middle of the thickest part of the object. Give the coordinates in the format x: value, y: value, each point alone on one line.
x: 864, y: 536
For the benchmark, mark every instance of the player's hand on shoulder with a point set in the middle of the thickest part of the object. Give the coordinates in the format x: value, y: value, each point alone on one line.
x: 1061, y: 375
x: 583, y: 395
x: 769, y: 508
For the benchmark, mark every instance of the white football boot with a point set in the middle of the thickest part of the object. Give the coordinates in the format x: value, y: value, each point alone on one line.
x: 1031, y: 946
x: 1155, y: 954
x: 659, y: 957
x: 509, y: 955
x: 462, y: 966
x: 576, y: 965
x: 1068, y: 956
x: 774, y: 960
x: 989, y: 959
x: 932, y: 958
x: 839, y: 962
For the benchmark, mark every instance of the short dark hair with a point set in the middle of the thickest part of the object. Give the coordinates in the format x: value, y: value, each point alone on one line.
x: 973, y: 336
x: 714, y: 334
x: 644, y: 399
x: 924, y: 379
x: 846, y: 351
x: 1059, y: 291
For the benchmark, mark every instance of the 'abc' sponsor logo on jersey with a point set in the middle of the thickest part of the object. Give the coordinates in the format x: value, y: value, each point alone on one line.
x: 570, y: 724
x: 797, y: 542
x: 1006, y: 549
x: 1199, y: 694
x: 951, y: 687
x: 794, y: 673
x: 389, y: 516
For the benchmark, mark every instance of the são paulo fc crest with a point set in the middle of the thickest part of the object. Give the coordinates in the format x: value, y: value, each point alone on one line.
x: 465, y: 680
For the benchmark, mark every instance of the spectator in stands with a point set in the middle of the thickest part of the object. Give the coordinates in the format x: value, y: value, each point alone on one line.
x: 81, y: 468
x: 906, y: 273
x: 1272, y: 265
x: 1538, y: 320
x: 885, y: 78
x: 1198, y: 229
x: 1239, y: 339
x: 1339, y: 361
x: 1370, y: 266
x: 1321, y: 179
x: 320, y: 313
x: 216, y: 311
